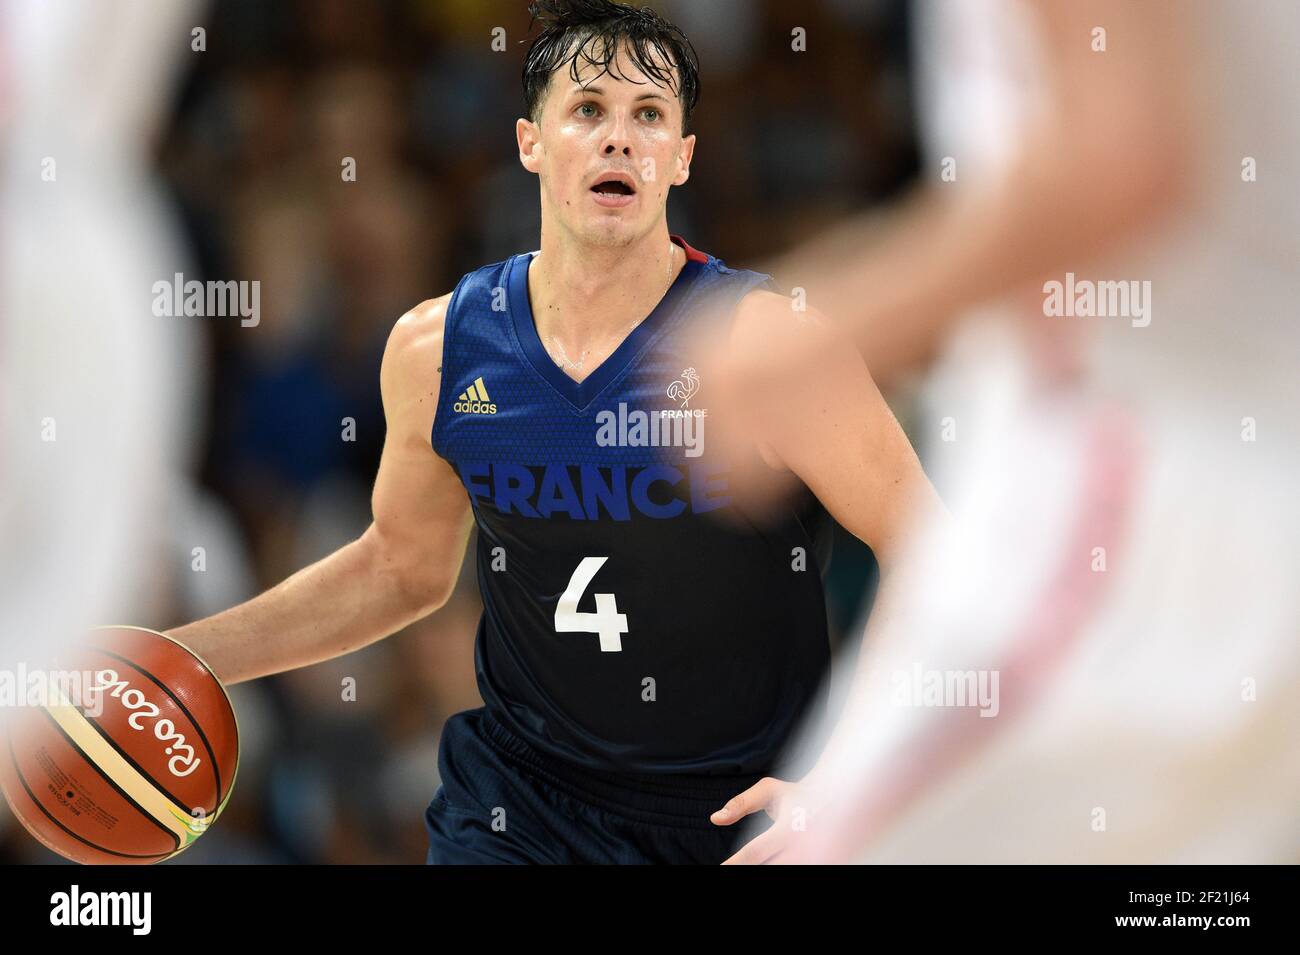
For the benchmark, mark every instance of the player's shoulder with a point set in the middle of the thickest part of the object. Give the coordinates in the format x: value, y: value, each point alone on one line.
x: 419, y: 329
x: 766, y: 318
x: 413, y: 354
x: 765, y: 305
x: 486, y: 281
x: 419, y: 333
x: 771, y: 331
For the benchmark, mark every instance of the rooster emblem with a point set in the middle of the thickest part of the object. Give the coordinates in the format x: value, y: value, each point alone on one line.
x: 685, y: 387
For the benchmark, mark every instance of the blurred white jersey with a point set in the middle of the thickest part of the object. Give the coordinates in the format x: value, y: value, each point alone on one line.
x: 1225, y: 273
x: 1122, y: 572
x: 95, y: 390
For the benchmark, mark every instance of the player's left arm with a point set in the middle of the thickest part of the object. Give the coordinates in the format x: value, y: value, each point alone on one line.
x: 838, y: 436
x: 832, y: 430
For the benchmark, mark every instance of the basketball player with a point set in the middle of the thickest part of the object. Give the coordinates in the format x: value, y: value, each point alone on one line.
x: 646, y: 644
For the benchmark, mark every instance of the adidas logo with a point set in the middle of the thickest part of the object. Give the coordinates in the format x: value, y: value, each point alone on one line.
x: 474, y: 400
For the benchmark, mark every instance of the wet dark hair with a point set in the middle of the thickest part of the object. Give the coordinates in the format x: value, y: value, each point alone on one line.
x: 580, y: 32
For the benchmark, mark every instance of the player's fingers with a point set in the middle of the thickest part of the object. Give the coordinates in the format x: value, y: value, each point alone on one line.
x: 756, y: 797
x: 757, y: 851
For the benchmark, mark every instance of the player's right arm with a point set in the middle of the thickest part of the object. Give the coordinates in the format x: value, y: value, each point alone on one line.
x: 402, y: 568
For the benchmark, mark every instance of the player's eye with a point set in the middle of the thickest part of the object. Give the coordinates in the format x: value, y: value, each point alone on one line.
x: 587, y: 106
x: 651, y: 114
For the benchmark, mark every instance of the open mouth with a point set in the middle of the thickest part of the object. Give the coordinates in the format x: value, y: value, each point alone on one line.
x: 613, y: 187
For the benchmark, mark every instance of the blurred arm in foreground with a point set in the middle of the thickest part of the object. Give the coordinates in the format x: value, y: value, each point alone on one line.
x: 1105, y: 160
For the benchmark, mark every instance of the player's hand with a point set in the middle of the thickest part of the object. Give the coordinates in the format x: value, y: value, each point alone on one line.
x: 776, y: 797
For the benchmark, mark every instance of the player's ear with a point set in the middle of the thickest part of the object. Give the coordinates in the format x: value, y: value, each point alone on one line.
x: 529, y: 138
x: 684, y: 156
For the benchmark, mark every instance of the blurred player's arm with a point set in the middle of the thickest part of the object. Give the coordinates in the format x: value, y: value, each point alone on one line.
x: 402, y: 568
x: 839, y: 437
x: 836, y: 434
x: 1108, y: 158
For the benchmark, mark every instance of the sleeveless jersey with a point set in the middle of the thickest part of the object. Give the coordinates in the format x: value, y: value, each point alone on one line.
x: 625, y: 627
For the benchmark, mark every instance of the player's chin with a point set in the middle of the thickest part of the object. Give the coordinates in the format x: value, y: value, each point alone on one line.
x: 621, y: 219
x: 613, y: 231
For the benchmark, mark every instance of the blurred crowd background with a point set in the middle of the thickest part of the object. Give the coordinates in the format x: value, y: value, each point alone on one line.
x: 413, y: 91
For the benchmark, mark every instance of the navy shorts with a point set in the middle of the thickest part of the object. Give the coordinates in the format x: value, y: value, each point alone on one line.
x: 501, y: 801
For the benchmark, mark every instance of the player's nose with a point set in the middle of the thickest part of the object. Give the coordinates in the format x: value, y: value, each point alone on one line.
x: 617, y: 139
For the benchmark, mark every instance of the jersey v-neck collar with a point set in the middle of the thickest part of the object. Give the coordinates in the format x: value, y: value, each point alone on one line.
x: 581, y: 393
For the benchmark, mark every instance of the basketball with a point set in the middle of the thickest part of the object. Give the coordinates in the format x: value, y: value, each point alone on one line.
x: 129, y: 757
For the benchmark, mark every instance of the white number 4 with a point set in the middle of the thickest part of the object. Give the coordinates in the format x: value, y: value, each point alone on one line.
x: 606, y: 622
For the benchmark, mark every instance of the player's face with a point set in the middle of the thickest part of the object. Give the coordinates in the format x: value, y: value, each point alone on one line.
x: 607, y: 150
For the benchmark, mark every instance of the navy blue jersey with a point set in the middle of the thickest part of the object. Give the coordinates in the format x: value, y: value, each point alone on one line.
x: 625, y: 627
